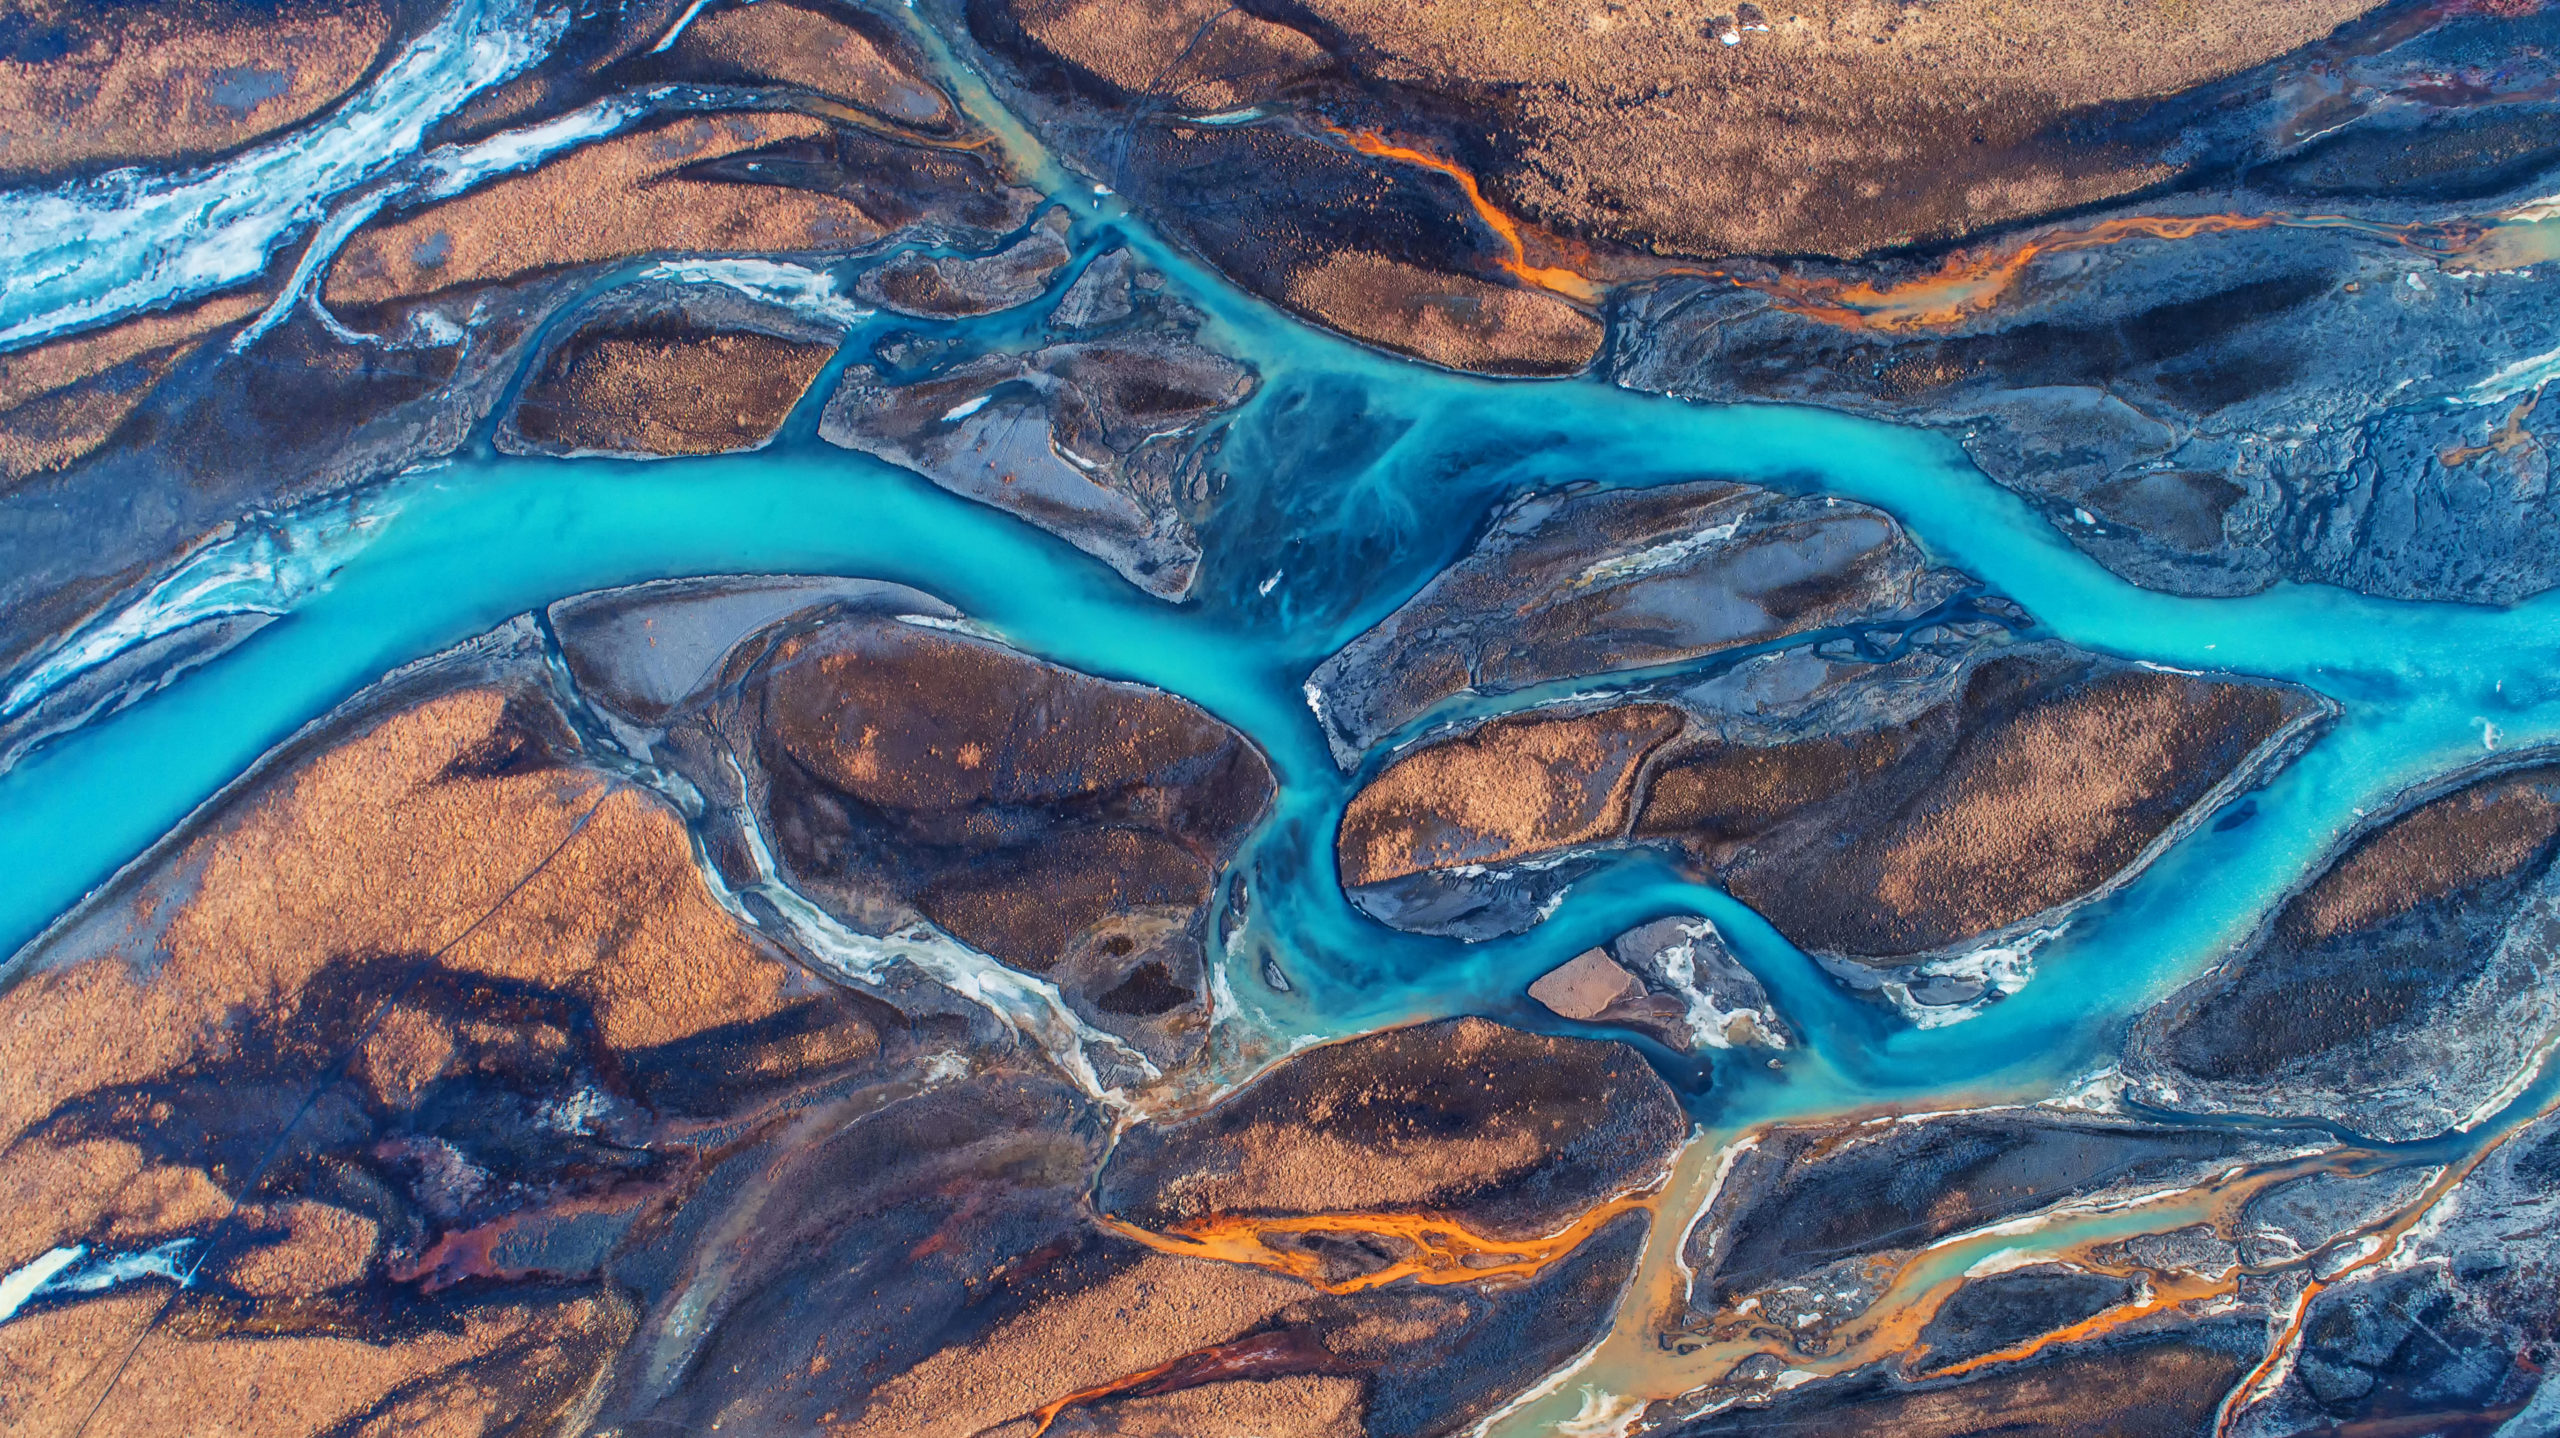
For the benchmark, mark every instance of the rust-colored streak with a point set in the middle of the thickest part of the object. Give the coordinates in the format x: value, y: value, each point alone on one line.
x: 1443, y: 1250
x: 2510, y: 436
x: 1280, y: 1353
x: 2379, y: 1243
x: 1969, y: 283
x: 2169, y: 1292
x: 1571, y: 283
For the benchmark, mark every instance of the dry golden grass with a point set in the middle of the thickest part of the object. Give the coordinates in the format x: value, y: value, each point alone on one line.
x: 1157, y: 1309
x: 2448, y: 844
x: 605, y: 201
x: 1513, y: 787
x: 668, y: 394
x: 1846, y: 126
x: 806, y: 48
x: 1448, y: 319
x: 151, y: 83
x: 2053, y: 805
x: 58, y: 401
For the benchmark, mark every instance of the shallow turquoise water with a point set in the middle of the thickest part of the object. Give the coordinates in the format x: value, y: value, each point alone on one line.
x: 1354, y: 478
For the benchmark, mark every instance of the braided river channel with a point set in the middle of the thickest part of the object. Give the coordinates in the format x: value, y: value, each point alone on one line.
x: 1350, y: 479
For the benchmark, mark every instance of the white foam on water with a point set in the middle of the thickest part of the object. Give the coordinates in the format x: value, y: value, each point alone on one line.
x: 95, y: 249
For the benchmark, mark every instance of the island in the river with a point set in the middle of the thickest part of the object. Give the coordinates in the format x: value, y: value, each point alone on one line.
x: 793, y: 1002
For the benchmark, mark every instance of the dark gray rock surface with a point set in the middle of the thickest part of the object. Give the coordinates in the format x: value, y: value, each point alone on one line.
x: 2208, y: 415
x: 2463, y: 1319
x: 1105, y: 436
x: 1592, y: 581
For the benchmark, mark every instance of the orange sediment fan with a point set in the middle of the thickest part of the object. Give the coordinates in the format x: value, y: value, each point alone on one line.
x: 1564, y: 280
x: 1444, y: 1250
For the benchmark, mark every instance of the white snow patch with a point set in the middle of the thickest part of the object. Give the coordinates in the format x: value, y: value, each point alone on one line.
x: 1619, y: 568
x: 72, y: 1270
x: 267, y: 568
x: 797, y: 288
x: 575, y: 1114
x: 30, y: 1278
x: 2002, y: 969
x: 676, y: 31
x: 1707, y: 1023
x: 94, y: 249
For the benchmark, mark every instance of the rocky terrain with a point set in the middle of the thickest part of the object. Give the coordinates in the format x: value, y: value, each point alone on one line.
x: 1599, y: 581
x: 1103, y: 435
x: 1674, y: 980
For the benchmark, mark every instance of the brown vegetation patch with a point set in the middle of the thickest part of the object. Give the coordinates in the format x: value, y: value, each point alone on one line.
x: 446, y: 830
x: 500, y: 1367
x: 1514, y: 787
x: 1299, y: 1406
x: 629, y: 195
x: 1516, y: 1132
x: 1054, y: 820
x: 825, y: 53
x: 2052, y: 803
x: 1727, y: 794
x: 908, y: 718
x: 1201, y: 56
x: 2037, y: 786
x: 1148, y: 1314
x: 149, y: 84
x: 62, y: 400
x: 2481, y: 832
x: 1449, y: 319
x: 1844, y: 126
x: 666, y: 391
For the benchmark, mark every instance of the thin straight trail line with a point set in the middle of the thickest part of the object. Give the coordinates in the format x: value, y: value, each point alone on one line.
x: 275, y: 1150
